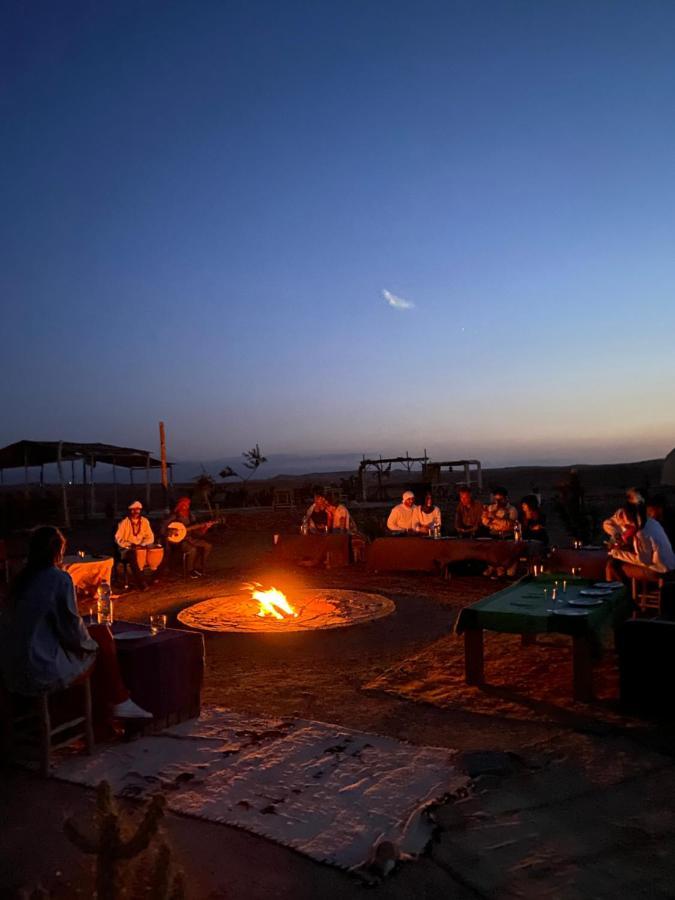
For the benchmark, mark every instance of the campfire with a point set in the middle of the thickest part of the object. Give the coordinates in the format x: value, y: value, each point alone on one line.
x: 256, y: 608
x: 272, y: 603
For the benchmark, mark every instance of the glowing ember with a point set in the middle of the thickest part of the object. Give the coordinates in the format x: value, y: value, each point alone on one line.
x: 273, y: 603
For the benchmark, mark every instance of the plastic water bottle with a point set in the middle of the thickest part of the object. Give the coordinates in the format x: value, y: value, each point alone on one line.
x: 104, y: 605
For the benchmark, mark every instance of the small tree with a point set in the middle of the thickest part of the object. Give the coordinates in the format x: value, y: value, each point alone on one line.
x: 253, y: 459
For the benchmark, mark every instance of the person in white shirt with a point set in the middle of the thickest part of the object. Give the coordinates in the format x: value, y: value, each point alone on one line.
x: 426, y: 515
x: 132, y: 532
x: 618, y: 522
x: 400, y: 519
x: 649, y: 548
x: 500, y: 516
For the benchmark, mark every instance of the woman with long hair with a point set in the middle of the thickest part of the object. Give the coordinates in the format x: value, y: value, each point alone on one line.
x: 532, y: 520
x: 46, y: 645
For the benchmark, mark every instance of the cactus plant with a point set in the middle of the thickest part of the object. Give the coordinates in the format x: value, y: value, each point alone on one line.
x: 110, y: 844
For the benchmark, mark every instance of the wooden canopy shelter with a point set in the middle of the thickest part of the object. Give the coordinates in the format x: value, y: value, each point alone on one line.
x: 30, y: 454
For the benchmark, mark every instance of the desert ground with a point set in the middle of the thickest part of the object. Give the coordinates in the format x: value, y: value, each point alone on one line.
x: 578, y: 804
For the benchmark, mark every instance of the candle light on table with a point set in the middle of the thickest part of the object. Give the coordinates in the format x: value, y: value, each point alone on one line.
x: 564, y: 585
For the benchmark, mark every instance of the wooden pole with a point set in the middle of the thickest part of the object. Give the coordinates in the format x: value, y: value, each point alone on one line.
x: 92, y: 495
x: 64, y: 492
x: 147, y: 482
x: 114, y: 474
x: 162, y: 450
x: 162, y: 456
x: 84, y: 487
x: 25, y: 473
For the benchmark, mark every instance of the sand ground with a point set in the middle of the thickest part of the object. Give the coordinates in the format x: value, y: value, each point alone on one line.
x: 578, y: 810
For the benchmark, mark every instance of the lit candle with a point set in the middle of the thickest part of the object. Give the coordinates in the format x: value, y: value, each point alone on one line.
x: 564, y: 585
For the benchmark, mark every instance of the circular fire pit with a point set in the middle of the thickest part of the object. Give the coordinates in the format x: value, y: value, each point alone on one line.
x: 312, y: 609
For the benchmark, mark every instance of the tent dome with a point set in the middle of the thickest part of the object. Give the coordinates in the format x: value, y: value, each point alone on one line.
x: 668, y: 471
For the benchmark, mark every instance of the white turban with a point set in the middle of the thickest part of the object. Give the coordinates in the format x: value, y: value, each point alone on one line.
x: 408, y: 495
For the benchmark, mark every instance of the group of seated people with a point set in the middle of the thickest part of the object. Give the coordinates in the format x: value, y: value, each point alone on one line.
x: 134, y: 532
x: 498, y: 519
x: 639, y: 539
x: 324, y: 517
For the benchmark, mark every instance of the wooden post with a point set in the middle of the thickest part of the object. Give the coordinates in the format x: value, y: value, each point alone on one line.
x: 147, y: 482
x: 582, y: 667
x: 25, y: 473
x: 84, y: 487
x: 114, y: 475
x: 92, y: 496
x: 479, y: 477
x: 64, y: 492
x: 474, y: 672
x: 162, y: 456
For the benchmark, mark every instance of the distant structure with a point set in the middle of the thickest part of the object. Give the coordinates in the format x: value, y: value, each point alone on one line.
x: 430, y: 471
x: 668, y: 471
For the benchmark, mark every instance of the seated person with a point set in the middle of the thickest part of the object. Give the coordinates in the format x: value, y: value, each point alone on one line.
x: 46, y: 645
x: 193, y: 544
x: 657, y: 508
x: 532, y: 520
x: 468, y: 514
x: 500, y: 516
x: 341, y: 519
x: 318, y: 518
x: 400, y: 519
x: 132, y: 532
x: 648, y: 548
x: 617, y: 524
x: 426, y: 515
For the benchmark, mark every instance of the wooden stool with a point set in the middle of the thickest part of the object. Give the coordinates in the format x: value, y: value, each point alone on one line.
x: 646, y: 594
x: 29, y: 724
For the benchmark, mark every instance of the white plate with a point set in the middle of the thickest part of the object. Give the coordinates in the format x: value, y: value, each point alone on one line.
x: 568, y: 611
x: 131, y: 635
x: 594, y: 592
x: 608, y: 585
x: 586, y: 603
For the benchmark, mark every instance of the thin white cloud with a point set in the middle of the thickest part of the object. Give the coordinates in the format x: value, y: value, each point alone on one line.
x: 397, y: 302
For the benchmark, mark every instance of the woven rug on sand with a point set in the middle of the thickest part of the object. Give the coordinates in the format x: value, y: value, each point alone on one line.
x: 327, y: 791
x: 522, y: 682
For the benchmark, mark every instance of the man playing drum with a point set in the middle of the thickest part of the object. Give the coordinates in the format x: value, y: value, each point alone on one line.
x: 132, y: 533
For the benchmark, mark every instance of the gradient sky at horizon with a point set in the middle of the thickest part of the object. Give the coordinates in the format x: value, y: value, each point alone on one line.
x: 202, y: 204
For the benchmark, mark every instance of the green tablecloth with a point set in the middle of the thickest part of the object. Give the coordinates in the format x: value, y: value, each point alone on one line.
x: 522, y: 608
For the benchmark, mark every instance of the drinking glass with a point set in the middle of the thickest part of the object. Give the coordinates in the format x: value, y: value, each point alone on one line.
x: 157, y: 622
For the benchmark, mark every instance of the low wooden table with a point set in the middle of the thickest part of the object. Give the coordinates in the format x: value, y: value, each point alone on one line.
x: 591, y: 562
x: 313, y: 549
x: 409, y: 553
x: 523, y: 609
x: 163, y: 672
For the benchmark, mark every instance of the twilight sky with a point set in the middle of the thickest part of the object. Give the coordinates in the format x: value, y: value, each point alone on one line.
x: 202, y: 204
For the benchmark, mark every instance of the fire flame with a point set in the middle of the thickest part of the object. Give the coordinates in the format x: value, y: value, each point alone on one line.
x: 272, y: 603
